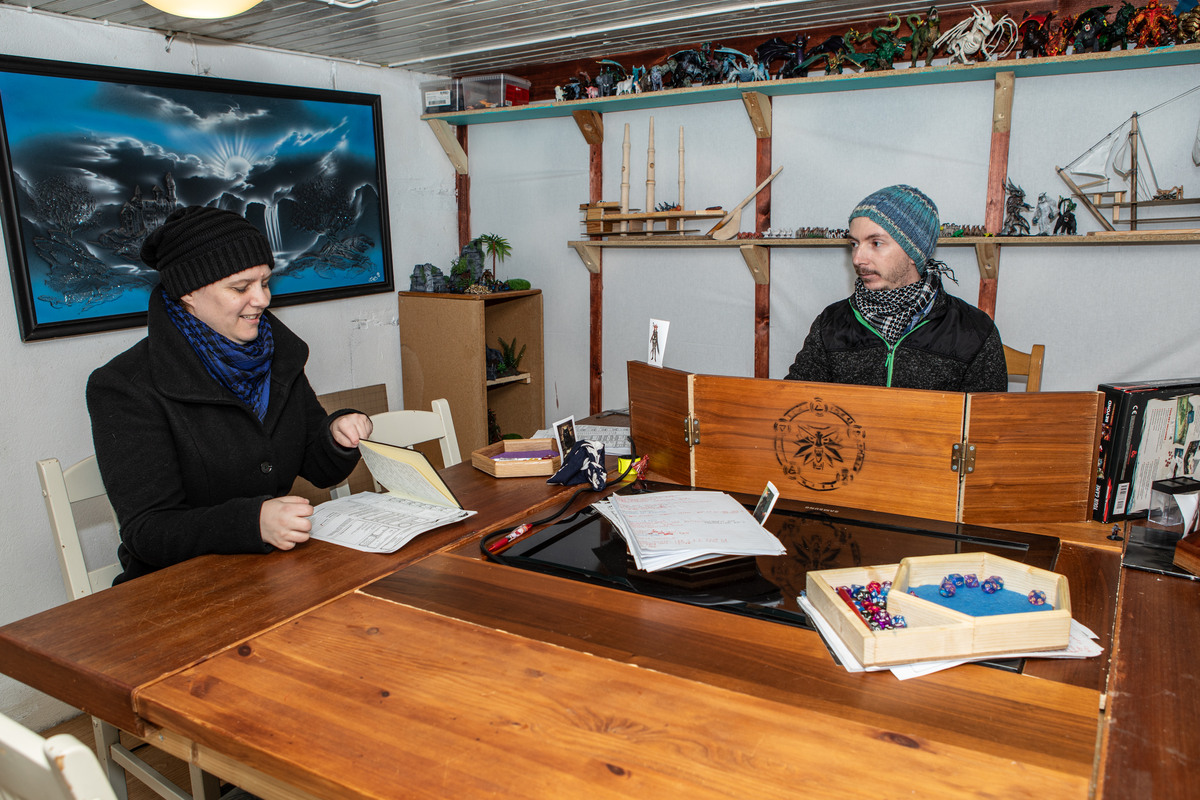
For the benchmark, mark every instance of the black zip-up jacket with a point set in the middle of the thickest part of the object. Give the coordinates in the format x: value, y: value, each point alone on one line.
x: 955, y: 347
x: 186, y: 464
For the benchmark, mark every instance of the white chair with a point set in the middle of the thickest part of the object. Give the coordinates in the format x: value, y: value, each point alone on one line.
x: 60, y: 488
x: 58, y: 768
x: 408, y: 427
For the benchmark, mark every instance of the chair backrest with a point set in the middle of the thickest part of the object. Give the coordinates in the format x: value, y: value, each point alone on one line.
x: 1027, y: 364
x: 408, y: 427
x: 58, y: 768
x: 60, y: 488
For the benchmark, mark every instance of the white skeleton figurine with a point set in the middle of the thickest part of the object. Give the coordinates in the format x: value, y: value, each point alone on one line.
x: 1044, y: 216
x: 978, y: 33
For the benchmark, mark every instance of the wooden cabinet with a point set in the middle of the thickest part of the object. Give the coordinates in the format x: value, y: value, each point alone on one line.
x: 442, y: 350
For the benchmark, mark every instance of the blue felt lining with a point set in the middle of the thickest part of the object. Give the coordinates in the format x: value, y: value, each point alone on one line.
x: 978, y: 603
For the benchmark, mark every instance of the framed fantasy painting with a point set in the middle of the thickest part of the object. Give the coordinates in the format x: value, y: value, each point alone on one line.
x: 85, y: 177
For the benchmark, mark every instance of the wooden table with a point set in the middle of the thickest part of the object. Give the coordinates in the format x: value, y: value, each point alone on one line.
x: 430, y: 673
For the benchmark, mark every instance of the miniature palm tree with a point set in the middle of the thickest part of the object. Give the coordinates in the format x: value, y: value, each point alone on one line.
x: 497, y: 247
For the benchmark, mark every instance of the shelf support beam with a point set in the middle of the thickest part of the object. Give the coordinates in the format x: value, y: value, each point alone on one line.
x: 988, y: 256
x: 591, y: 125
x: 446, y: 137
x: 758, y: 259
x: 589, y: 254
x: 758, y: 106
x: 993, y: 219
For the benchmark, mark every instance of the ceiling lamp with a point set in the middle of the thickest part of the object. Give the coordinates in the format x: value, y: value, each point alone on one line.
x: 204, y: 9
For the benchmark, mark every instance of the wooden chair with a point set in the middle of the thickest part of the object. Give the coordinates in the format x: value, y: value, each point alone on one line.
x: 60, y: 488
x: 368, y: 399
x: 1027, y: 364
x: 58, y: 768
x: 409, y: 427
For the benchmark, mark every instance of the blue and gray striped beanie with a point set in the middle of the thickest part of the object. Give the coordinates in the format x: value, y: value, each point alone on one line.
x: 908, y: 216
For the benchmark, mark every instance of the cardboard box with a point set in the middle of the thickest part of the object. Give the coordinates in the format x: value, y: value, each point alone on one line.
x: 1122, y: 491
x: 495, y: 91
x: 444, y: 94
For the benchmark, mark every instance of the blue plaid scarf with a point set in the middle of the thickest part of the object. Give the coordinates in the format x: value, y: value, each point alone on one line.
x: 244, y: 369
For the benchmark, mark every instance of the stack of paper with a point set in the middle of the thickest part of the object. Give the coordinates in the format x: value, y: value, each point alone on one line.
x: 670, y: 529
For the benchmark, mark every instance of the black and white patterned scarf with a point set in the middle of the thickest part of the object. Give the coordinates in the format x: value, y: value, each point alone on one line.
x: 244, y: 369
x: 894, y: 312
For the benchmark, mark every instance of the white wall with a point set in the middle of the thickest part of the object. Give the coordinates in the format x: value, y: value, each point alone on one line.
x: 354, y: 342
x: 1104, y: 313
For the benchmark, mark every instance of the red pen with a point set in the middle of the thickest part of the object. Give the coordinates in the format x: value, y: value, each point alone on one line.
x: 504, y: 541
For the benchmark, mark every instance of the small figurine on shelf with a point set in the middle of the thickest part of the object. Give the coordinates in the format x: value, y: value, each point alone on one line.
x: 1065, y: 224
x: 1044, y: 214
x: 1153, y: 25
x: 888, y: 47
x: 1015, y: 223
x: 1189, y: 27
x: 1035, y: 34
x: 979, y: 36
x: 790, y: 53
x: 494, y: 359
x: 924, y: 33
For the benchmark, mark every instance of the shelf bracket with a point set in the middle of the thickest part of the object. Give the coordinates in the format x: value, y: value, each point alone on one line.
x: 988, y: 256
x: 589, y: 254
x: 758, y: 259
x: 758, y: 106
x: 444, y: 132
x: 591, y: 125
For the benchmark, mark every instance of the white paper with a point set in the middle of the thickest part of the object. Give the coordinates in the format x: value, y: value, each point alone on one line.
x: 378, y: 523
x: 669, y: 529
x: 402, y: 479
x: 615, y: 438
x: 658, y: 342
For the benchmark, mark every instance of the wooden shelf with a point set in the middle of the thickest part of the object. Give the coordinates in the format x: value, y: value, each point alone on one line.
x: 520, y: 377
x: 1128, y: 237
x: 945, y: 73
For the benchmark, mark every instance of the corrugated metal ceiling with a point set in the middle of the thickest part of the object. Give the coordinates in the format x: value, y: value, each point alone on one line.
x: 464, y: 37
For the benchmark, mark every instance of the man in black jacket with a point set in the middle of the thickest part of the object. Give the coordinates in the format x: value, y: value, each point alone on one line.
x: 900, y: 327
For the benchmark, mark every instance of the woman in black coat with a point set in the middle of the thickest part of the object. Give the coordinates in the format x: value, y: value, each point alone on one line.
x: 201, y: 428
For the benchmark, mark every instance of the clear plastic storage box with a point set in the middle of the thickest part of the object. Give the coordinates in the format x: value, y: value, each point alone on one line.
x: 492, y: 91
x: 444, y: 94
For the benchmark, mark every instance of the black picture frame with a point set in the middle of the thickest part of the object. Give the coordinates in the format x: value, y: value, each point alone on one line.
x: 92, y: 158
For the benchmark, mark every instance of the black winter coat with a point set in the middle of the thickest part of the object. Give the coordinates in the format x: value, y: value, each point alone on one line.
x: 186, y: 464
x: 956, y: 347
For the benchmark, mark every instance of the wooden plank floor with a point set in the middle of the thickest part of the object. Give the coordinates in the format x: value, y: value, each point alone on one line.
x: 172, y: 768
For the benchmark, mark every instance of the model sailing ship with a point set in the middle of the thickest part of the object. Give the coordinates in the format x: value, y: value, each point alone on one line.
x: 1116, y: 173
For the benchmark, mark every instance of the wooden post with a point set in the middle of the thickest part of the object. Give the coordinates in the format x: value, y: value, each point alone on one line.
x: 762, y: 291
x: 1002, y: 100
x: 462, y: 190
x: 650, y: 172
x: 624, y: 177
x: 680, y: 201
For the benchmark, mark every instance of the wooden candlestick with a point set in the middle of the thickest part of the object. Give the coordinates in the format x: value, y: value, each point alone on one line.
x: 650, y: 170
x: 625, y: 177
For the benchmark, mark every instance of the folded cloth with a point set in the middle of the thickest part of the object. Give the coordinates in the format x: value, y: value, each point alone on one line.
x: 583, y: 464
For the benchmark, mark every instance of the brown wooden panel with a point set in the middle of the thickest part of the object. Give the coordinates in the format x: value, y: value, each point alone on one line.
x: 658, y: 406
x: 95, y: 650
x: 1092, y: 576
x: 1035, y: 456
x: 367, y: 399
x: 1150, y: 747
x: 416, y: 703
x: 854, y: 446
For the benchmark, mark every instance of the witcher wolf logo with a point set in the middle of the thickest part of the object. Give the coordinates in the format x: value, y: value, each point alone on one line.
x: 819, y: 445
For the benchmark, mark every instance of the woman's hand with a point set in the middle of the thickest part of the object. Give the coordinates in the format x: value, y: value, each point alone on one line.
x: 284, y: 521
x: 348, y: 429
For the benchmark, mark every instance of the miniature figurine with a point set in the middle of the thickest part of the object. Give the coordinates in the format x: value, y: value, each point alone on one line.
x: 979, y: 35
x: 1066, y: 217
x: 1118, y: 31
x: 1014, y: 223
x: 1035, y: 34
x: 1153, y: 25
x: 832, y: 50
x: 924, y: 34
x: 1189, y: 26
x: 741, y: 68
x: 887, y: 46
x: 1043, y: 215
x: 791, y: 54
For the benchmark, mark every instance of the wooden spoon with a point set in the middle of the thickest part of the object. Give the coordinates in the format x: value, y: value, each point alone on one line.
x: 731, y: 223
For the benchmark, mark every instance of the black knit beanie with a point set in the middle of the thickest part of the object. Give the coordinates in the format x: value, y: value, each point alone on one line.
x: 198, y: 245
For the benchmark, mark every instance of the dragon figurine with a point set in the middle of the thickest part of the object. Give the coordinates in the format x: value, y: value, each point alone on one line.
x: 790, y: 53
x: 1015, y: 223
x: 979, y: 35
x: 924, y: 33
x: 1034, y: 31
x: 887, y: 46
x: 1189, y: 26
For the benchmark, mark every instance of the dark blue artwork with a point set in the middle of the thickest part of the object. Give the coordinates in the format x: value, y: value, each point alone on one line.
x: 95, y: 163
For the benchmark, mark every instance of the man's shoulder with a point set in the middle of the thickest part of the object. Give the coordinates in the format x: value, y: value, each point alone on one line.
x: 960, y: 312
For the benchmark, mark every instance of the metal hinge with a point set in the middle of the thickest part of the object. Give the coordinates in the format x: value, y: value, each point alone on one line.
x: 691, y: 431
x: 962, y: 458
